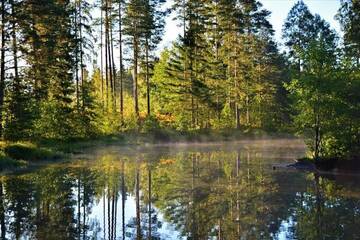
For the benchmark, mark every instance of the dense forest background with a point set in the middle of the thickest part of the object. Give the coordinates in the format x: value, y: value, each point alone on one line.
x: 76, y: 68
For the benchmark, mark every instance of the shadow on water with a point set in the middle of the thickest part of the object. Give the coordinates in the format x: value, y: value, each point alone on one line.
x: 179, y: 192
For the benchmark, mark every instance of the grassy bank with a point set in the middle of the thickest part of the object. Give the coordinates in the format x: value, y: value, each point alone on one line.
x: 21, y: 154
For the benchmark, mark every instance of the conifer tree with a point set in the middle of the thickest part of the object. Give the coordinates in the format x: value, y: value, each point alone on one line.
x: 133, y: 27
x: 298, y: 31
x: 153, y: 30
x: 2, y: 60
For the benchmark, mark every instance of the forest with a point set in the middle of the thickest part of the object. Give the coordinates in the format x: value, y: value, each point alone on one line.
x: 77, y: 69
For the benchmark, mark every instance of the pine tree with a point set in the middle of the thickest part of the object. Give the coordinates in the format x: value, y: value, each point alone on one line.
x: 298, y: 31
x: 121, y: 64
x: 188, y: 63
x: 2, y: 61
x: 153, y: 30
x: 133, y: 22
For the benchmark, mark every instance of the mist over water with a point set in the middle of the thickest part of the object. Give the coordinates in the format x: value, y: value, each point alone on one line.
x: 180, y: 191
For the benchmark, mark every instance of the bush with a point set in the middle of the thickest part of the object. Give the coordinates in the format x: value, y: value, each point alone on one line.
x: 7, y: 162
x: 151, y: 124
x: 29, y: 152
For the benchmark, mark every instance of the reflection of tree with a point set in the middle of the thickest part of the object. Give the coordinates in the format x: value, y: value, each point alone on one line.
x: 203, y: 194
x: 44, y: 204
x: 19, y: 195
x: 85, y: 181
x: 211, y: 194
x: 55, y: 215
x: 325, y: 212
x: 2, y: 210
x: 145, y: 224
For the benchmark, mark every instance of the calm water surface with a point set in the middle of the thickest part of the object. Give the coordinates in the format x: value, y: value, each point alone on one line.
x: 214, y: 191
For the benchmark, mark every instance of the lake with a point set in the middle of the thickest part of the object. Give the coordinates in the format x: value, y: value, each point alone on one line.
x: 185, y: 191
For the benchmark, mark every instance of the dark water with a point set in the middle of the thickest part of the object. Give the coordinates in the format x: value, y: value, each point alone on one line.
x: 218, y: 191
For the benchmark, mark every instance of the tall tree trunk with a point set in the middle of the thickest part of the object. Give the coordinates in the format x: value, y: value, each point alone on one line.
x: 14, y: 43
x: 317, y: 134
x: 2, y: 64
x: 77, y: 80
x: 81, y: 56
x: 113, y: 69
x: 106, y: 55
x: 121, y: 64
x: 147, y: 77
x: 135, y: 75
x: 16, y: 83
x: 108, y: 49
x: 237, y: 115
x: 101, y: 53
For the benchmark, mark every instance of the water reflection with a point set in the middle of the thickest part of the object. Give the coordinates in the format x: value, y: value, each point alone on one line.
x: 199, y: 192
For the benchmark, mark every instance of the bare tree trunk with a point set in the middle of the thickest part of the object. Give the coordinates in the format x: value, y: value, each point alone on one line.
x: 16, y: 84
x: 121, y: 64
x: 147, y: 76
x: 77, y: 80
x: 247, y: 108
x: 101, y: 53
x: 2, y: 64
x: 113, y: 68
x: 237, y: 115
x: 109, y: 53
x: 14, y: 43
x: 317, y: 135
x: 106, y: 54
x: 135, y: 76
x: 81, y: 56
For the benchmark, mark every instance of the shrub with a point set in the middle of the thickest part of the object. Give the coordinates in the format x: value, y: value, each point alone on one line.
x: 29, y: 152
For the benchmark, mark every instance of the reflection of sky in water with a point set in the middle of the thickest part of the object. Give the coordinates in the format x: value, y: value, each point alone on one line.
x: 167, y: 231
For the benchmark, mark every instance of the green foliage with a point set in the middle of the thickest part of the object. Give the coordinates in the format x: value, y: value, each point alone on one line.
x: 324, y: 114
x: 29, y: 152
x: 224, y: 71
x: 150, y: 124
x: 55, y: 121
x: 7, y: 162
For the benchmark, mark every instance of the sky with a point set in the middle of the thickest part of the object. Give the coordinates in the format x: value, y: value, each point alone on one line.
x: 279, y: 9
